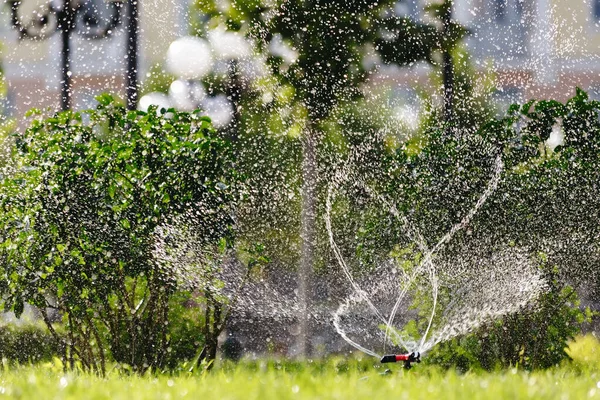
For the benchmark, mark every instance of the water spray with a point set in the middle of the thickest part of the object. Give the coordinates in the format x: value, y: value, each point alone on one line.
x: 408, y: 359
x: 468, y: 309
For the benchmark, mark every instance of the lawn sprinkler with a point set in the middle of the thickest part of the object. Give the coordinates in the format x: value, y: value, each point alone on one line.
x: 409, y: 359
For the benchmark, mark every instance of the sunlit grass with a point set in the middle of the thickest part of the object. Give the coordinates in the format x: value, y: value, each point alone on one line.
x: 585, y: 353
x: 334, y: 379
x: 40, y: 383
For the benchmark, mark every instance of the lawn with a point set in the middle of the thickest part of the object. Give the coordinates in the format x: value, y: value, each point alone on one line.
x: 334, y: 379
x: 45, y: 383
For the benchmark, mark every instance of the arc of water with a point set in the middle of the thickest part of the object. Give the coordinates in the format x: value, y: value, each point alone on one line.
x: 346, y: 270
x: 336, y: 323
x: 413, y: 233
x: 531, y: 285
x: 426, y: 263
x: 491, y: 188
x: 417, y: 237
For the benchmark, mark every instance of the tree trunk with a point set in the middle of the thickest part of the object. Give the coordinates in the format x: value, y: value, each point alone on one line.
x: 212, y: 329
x: 308, y: 236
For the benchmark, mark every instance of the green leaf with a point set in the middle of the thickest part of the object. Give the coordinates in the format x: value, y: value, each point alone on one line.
x: 111, y: 191
x: 104, y: 99
x: 18, y: 307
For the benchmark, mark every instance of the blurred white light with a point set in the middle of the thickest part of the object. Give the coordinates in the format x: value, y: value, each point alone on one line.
x: 229, y: 45
x: 408, y: 115
x: 186, y: 95
x: 422, y: 68
x: 372, y: 59
x: 219, y: 109
x: 557, y: 137
x: 267, y: 97
x: 154, y: 98
x: 179, y: 93
x: 279, y: 48
x: 189, y: 58
x: 254, y: 68
x: 197, y: 92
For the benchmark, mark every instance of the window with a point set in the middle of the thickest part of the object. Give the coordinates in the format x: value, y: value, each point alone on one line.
x: 596, y: 10
x: 507, y: 11
x: 500, y: 10
x: 407, y: 8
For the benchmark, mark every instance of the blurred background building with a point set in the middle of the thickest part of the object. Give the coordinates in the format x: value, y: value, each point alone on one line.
x: 534, y: 48
x: 32, y: 67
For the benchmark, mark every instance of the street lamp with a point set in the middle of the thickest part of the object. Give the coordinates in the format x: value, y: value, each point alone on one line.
x: 84, y: 18
x: 230, y: 48
x: 189, y: 58
x: 448, y: 65
x: 192, y: 59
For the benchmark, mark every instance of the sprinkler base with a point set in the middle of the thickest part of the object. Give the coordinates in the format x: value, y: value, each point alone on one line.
x: 408, y: 359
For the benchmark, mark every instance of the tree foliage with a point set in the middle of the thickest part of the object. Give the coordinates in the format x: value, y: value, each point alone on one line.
x: 330, y: 40
x: 435, y: 178
x: 550, y: 195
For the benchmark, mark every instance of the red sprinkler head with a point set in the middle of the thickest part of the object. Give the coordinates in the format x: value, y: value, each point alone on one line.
x: 408, y: 359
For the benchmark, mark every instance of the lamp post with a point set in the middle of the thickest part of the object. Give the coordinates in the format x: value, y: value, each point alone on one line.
x: 448, y: 66
x: 84, y: 18
x: 230, y: 48
x: 131, y: 77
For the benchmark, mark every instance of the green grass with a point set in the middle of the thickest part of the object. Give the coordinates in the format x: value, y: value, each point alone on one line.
x: 334, y: 379
x: 45, y: 383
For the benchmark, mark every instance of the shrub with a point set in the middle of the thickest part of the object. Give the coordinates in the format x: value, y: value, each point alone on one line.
x: 78, y: 219
x: 584, y: 351
x: 27, y: 344
x: 535, y: 338
x: 186, y: 321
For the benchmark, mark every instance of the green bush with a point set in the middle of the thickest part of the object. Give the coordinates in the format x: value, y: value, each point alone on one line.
x: 186, y: 323
x: 27, y: 344
x: 80, y: 214
x: 534, y: 338
x: 584, y: 352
